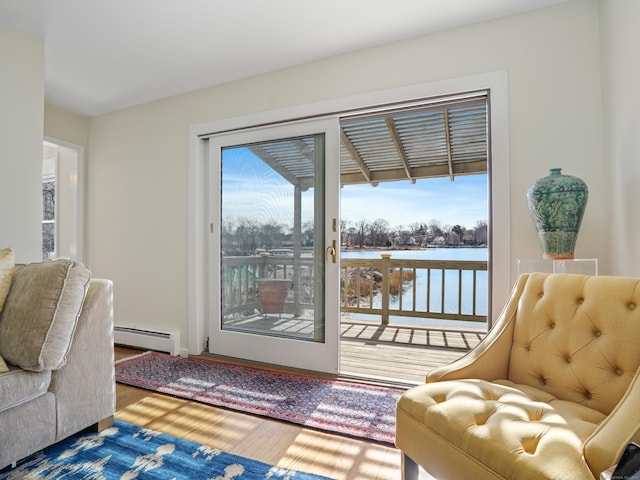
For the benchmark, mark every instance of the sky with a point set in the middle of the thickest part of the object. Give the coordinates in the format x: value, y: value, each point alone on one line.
x: 253, y: 190
x: 459, y: 202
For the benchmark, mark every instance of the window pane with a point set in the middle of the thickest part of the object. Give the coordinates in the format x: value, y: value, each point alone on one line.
x: 268, y: 239
x: 48, y: 200
x: 48, y: 241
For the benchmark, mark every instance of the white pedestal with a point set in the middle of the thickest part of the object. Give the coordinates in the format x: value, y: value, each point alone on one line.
x: 583, y: 266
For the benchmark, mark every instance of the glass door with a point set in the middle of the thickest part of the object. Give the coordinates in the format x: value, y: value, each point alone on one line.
x: 274, y: 240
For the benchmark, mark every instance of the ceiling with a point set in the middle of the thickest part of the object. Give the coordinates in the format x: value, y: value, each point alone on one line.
x: 104, y: 55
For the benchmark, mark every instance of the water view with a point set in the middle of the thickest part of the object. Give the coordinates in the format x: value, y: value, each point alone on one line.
x: 435, y: 295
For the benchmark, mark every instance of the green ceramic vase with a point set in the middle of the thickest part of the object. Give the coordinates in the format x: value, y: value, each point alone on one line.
x: 557, y: 203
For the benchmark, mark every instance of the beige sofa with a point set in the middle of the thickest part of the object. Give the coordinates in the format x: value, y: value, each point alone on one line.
x: 56, y: 339
x: 552, y: 392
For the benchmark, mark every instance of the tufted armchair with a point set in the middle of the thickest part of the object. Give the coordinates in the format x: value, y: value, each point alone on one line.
x: 552, y: 392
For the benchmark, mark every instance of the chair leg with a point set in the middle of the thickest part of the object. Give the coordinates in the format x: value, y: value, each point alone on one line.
x: 410, y: 469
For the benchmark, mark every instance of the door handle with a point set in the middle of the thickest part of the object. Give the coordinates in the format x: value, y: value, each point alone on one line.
x: 333, y: 252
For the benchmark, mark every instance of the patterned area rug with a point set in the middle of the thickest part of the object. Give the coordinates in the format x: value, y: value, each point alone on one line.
x: 348, y: 408
x: 128, y: 452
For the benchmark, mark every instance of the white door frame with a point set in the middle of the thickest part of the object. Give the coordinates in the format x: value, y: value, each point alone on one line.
x: 500, y: 255
x: 69, y: 216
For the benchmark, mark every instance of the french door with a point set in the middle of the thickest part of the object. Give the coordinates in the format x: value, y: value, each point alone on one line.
x: 273, y: 268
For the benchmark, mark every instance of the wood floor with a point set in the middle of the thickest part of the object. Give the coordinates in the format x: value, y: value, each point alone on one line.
x: 274, y: 442
x: 399, y: 354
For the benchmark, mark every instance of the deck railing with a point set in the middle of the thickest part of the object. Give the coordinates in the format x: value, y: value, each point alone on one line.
x: 441, y: 289
x: 240, y: 276
x: 385, y: 286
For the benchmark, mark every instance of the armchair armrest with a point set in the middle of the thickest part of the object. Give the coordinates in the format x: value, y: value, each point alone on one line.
x: 605, y: 446
x: 489, y: 360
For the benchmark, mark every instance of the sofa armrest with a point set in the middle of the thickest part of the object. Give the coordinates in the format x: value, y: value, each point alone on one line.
x: 85, y: 386
x: 489, y: 360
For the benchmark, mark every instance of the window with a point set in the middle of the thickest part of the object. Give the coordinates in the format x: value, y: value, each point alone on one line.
x: 49, y: 207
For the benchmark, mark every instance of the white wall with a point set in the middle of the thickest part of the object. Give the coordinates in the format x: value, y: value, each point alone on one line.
x: 621, y: 79
x: 137, y: 158
x: 21, y: 130
x: 65, y: 125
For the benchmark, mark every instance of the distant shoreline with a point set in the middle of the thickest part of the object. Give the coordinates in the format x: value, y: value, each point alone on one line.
x: 405, y: 247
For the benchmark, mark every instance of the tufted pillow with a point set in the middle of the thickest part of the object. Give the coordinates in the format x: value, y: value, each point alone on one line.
x: 41, y: 313
x: 7, y: 267
x: 3, y: 366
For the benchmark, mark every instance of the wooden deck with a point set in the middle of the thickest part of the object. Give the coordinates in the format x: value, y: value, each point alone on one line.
x: 401, y: 353
x: 396, y: 353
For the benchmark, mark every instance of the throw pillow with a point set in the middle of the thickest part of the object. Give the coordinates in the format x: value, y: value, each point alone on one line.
x: 41, y: 313
x: 7, y: 267
x: 3, y: 366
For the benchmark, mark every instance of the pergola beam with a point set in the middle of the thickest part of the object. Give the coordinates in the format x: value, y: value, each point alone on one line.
x: 397, y: 141
x: 447, y: 132
x: 273, y: 162
x: 431, y: 171
x: 353, y: 152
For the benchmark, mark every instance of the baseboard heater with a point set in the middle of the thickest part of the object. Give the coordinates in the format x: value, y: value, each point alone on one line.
x: 148, y: 339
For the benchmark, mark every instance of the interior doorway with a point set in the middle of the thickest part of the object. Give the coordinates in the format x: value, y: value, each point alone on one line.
x: 63, y: 200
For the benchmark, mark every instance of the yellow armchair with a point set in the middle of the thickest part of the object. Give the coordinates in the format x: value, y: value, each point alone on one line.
x: 552, y: 392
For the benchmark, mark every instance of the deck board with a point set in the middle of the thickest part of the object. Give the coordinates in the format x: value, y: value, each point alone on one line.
x: 395, y: 353
x: 401, y: 353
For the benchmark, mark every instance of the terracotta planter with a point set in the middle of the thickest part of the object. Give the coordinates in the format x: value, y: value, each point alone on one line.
x: 273, y: 292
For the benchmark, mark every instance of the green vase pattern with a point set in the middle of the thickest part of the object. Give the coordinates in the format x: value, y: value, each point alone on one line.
x: 557, y: 203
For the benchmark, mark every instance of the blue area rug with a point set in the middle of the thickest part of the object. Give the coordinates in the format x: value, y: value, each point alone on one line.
x: 350, y: 408
x: 127, y: 452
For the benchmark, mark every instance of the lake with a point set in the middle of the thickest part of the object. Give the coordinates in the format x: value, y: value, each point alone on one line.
x: 451, y: 278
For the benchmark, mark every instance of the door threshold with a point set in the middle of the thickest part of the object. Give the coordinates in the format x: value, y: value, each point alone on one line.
x: 368, y: 380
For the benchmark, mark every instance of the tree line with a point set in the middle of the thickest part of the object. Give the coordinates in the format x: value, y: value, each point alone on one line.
x: 379, y: 233
x: 246, y: 236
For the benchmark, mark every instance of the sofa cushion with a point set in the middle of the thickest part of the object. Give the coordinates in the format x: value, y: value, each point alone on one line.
x: 517, y: 431
x: 41, y: 313
x: 18, y: 386
x: 7, y: 267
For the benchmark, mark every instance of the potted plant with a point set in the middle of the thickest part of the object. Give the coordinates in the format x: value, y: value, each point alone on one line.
x: 273, y: 292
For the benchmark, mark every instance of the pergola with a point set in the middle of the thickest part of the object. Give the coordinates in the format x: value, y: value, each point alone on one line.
x: 410, y: 143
